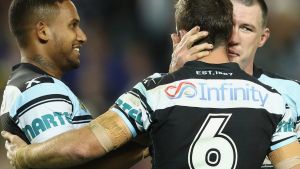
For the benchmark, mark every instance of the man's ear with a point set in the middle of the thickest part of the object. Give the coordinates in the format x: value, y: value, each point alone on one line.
x: 264, y: 37
x: 43, y: 32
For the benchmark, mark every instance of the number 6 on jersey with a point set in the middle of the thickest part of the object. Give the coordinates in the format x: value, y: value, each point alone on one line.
x: 211, y: 148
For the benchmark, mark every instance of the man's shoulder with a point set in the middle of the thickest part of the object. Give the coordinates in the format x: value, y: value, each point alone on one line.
x: 26, y: 87
x: 279, y: 82
x: 155, y: 80
x: 26, y: 76
x: 288, y: 88
x: 275, y: 76
x: 25, y: 83
x: 25, y: 79
x: 28, y: 80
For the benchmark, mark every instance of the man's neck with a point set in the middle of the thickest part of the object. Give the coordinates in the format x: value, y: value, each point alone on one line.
x: 217, y: 56
x: 249, y: 69
x: 43, y: 63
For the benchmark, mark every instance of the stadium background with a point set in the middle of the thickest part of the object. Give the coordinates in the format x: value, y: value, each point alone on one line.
x: 129, y: 40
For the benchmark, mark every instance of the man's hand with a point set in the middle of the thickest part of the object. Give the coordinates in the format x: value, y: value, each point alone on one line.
x: 183, y: 49
x: 13, y: 144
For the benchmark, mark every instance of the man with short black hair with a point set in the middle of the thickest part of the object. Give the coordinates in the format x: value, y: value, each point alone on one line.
x: 49, y: 39
x: 37, y: 105
x: 250, y: 32
x: 200, y: 116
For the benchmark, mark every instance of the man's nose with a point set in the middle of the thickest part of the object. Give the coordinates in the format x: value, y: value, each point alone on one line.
x: 81, y: 36
x: 235, y: 38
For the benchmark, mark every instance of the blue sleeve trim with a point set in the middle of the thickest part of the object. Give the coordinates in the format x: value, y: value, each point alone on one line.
x: 283, y: 143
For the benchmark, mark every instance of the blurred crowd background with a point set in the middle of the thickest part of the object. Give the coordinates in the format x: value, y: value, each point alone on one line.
x: 130, y: 40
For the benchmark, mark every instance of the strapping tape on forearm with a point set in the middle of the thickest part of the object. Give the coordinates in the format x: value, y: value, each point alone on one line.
x: 286, y: 152
x: 288, y: 163
x: 110, y: 130
x: 102, y: 136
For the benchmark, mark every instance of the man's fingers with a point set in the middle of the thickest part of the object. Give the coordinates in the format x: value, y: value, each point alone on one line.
x: 198, y: 36
x: 175, y: 39
x: 194, y: 57
x: 200, y: 48
x: 10, y: 149
x: 7, y: 146
x: 13, y: 139
x: 185, y: 35
x: 12, y: 144
x: 184, y: 50
x: 194, y: 38
x: 7, y: 136
x: 8, y: 155
x: 193, y: 31
x: 201, y: 54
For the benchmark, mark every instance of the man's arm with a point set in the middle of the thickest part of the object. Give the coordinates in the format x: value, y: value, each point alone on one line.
x: 104, y: 134
x: 124, y: 157
x: 287, y: 157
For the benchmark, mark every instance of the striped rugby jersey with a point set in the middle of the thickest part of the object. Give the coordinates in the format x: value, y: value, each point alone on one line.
x: 290, y: 90
x: 37, y: 107
x: 207, y: 116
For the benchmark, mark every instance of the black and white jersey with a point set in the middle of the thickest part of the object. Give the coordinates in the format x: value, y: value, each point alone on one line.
x: 290, y: 90
x: 37, y: 107
x: 207, y: 116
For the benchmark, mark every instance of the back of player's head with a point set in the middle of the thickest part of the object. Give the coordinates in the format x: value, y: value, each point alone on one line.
x: 214, y: 16
x: 263, y: 6
x: 24, y: 14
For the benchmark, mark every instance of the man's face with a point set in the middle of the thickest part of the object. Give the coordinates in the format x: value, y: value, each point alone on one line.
x: 67, y: 37
x: 248, y: 35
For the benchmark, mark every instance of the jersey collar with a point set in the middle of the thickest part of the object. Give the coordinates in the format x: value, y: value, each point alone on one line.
x: 29, y: 67
x: 230, y: 65
x: 257, y: 72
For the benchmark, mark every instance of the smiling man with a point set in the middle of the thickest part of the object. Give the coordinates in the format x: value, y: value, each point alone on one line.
x: 49, y: 39
x: 37, y: 105
x: 186, y: 130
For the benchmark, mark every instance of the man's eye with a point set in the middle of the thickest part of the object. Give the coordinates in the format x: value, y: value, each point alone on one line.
x: 247, y: 29
x: 74, y: 24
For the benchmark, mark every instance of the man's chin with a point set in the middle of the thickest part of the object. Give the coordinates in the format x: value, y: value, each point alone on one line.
x: 76, y: 65
x: 72, y: 66
x: 231, y: 59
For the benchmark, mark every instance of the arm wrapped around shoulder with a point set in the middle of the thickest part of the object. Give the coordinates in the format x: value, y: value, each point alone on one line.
x: 287, y: 157
x: 110, y: 130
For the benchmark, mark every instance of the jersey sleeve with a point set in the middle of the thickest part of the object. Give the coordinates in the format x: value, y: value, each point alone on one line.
x: 285, y: 130
x: 289, y: 89
x: 42, y: 111
x: 294, y: 104
x: 136, y: 106
x: 9, y: 96
x: 80, y: 115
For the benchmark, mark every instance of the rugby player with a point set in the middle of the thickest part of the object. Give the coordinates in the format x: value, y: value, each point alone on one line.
x: 196, y: 115
x: 250, y: 33
x: 37, y: 105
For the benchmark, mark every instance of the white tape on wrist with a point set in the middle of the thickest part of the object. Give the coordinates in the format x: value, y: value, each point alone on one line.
x: 110, y: 130
x: 102, y: 136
